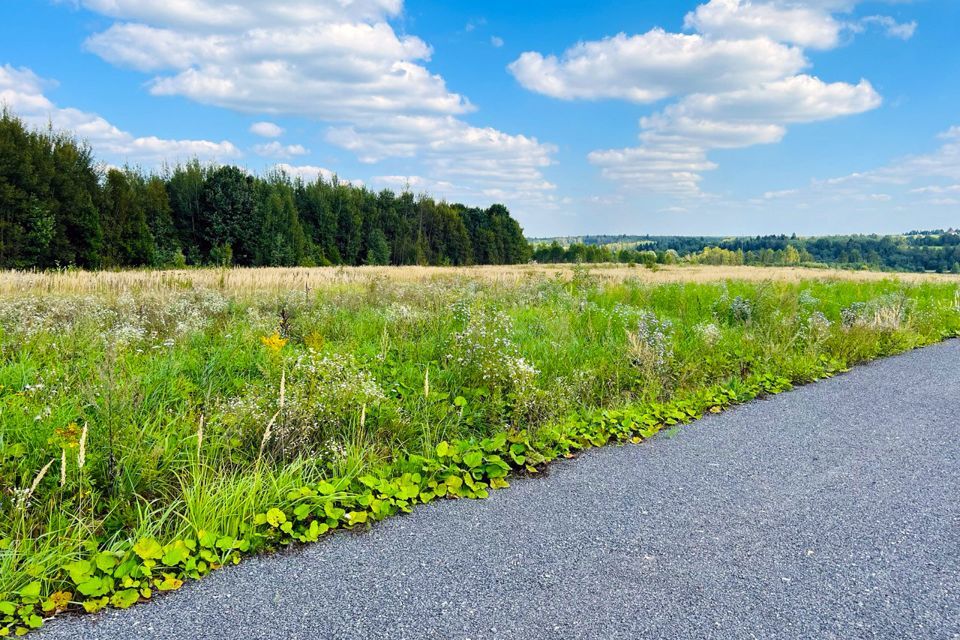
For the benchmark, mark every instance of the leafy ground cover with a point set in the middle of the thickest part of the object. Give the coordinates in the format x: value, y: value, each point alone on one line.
x: 150, y: 436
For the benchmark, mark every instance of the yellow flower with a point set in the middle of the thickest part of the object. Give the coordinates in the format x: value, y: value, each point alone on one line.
x: 274, y: 343
x: 67, y: 437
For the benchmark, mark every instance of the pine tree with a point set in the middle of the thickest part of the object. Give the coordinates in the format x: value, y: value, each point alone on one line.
x: 378, y: 251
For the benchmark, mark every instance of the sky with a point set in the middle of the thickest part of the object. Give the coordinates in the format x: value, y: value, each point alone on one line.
x: 717, y: 117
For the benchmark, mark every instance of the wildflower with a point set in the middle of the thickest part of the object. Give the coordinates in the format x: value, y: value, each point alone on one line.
x: 807, y: 299
x: 68, y: 437
x: 650, y: 343
x: 741, y: 309
x: 274, y: 343
x: 709, y: 333
x: 818, y: 322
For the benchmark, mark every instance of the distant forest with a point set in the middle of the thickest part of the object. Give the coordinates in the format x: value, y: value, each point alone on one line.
x: 58, y: 209
x: 914, y: 251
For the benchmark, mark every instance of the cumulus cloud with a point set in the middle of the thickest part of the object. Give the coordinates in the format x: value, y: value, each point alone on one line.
x: 655, y: 65
x: 338, y: 62
x: 277, y: 150
x: 240, y: 15
x: 738, y: 81
x: 801, y: 98
x: 311, y: 173
x: 676, y: 141
x: 439, y: 188
x: 481, y: 160
x: 266, y: 129
x: 804, y: 25
x: 329, y: 71
x: 23, y: 92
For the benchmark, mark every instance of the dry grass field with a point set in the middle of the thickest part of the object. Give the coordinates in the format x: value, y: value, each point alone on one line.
x: 13, y: 283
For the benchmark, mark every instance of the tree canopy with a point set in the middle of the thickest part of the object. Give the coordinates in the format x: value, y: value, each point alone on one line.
x: 59, y: 208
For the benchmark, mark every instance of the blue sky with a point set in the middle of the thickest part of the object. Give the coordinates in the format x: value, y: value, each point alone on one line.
x: 710, y: 117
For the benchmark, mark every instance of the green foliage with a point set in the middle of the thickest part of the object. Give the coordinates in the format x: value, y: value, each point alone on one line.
x: 56, y: 210
x: 180, y: 429
x: 915, y: 251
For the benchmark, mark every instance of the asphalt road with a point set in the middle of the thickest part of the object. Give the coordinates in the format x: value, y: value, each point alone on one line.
x: 829, y: 512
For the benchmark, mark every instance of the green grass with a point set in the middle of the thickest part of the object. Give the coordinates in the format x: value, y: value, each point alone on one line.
x: 391, y: 392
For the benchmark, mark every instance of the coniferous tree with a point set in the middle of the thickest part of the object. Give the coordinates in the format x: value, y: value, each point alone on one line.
x: 56, y: 208
x: 127, y: 238
x: 378, y: 249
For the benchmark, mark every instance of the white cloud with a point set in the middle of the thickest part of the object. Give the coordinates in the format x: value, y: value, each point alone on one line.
x: 438, y: 188
x: 943, y: 163
x: 795, y: 99
x: 655, y: 65
x: 892, y: 28
x: 804, y: 25
x: 310, y: 173
x: 675, y: 141
x: 275, y: 149
x: 496, y: 41
x: 23, y: 92
x: 266, y: 129
x: 909, y: 184
x: 339, y: 62
x: 953, y: 133
x: 477, y: 159
x: 239, y: 15
x: 736, y: 82
x: 938, y: 189
x: 783, y: 193
x: 329, y: 71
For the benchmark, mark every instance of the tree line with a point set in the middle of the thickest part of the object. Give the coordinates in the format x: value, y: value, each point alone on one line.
x: 59, y: 208
x: 916, y: 251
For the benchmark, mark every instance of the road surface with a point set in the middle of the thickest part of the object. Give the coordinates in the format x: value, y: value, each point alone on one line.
x: 832, y: 511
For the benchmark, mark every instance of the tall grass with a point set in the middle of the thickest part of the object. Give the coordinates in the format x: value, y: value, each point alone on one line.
x: 160, y: 404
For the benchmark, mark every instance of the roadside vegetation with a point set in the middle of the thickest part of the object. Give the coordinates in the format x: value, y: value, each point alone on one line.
x: 150, y: 434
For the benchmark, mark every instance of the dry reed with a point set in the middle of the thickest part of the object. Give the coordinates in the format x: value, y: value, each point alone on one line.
x: 15, y: 283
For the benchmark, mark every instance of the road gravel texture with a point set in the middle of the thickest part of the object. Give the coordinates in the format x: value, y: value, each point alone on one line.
x: 832, y: 511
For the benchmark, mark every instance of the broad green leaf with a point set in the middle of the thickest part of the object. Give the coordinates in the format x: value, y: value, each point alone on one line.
x: 79, y: 570
x: 92, y: 587
x: 106, y: 561
x: 175, y: 553
x: 31, y: 591
x: 148, y: 549
x: 332, y: 511
x: 473, y: 459
x: 276, y: 517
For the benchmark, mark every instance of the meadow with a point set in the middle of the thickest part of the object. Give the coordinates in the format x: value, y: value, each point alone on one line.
x: 155, y: 425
